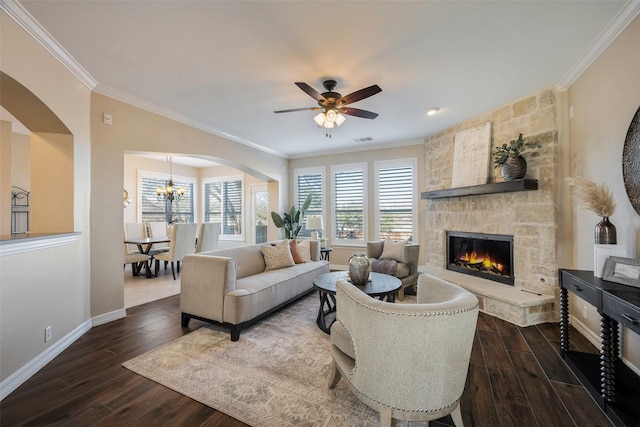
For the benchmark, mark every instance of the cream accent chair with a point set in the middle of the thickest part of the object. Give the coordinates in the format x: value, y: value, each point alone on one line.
x: 208, y: 237
x: 406, y: 269
x: 370, y: 337
x: 183, y: 242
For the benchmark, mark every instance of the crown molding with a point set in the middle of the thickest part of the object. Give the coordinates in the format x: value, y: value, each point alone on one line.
x: 28, y: 23
x: 627, y: 14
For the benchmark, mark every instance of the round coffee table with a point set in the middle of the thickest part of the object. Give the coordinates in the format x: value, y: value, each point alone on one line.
x: 381, y: 286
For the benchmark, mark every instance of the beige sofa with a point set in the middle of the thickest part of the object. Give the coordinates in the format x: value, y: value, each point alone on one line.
x: 232, y: 288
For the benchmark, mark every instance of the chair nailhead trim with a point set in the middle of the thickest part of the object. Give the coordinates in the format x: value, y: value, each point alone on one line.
x: 414, y: 314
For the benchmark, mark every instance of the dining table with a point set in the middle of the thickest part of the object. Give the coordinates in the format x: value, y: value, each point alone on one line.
x: 144, y: 245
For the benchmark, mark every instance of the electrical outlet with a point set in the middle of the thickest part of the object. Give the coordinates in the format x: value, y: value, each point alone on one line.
x: 584, y: 311
x: 47, y: 333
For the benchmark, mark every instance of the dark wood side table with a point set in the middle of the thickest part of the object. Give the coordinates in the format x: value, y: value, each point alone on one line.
x: 613, y: 385
x: 381, y: 286
x: 324, y: 253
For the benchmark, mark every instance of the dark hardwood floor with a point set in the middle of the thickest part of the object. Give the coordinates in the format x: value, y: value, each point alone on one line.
x: 516, y: 378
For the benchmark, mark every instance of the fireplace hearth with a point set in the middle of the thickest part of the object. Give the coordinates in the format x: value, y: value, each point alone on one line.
x: 489, y: 256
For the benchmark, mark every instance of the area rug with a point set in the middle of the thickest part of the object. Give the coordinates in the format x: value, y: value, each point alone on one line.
x: 277, y: 374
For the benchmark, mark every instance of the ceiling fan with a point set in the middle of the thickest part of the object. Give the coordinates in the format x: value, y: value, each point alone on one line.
x: 333, y: 105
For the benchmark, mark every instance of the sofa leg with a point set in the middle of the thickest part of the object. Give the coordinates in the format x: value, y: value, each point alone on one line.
x: 401, y: 293
x: 185, y: 320
x: 235, y: 332
x: 173, y: 270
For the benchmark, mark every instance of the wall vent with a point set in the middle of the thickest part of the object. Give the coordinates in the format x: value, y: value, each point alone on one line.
x: 365, y: 139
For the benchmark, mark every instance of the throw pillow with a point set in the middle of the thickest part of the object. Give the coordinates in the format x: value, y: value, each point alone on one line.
x: 278, y: 256
x: 393, y: 250
x: 304, y: 250
x: 293, y: 245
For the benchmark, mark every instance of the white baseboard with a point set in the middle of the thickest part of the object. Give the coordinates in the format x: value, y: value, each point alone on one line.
x: 16, y: 379
x: 108, y: 317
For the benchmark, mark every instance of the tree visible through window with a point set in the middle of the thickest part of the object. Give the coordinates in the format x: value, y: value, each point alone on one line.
x: 309, y: 181
x: 396, y: 195
x: 156, y: 209
x: 349, y: 183
x: 223, y: 203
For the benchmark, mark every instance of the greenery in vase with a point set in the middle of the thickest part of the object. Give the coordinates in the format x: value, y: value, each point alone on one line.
x: 513, y: 150
x: 292, y: 221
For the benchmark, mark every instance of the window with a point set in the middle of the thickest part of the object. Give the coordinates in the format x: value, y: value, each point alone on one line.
x: 349, y: 204
x: 309, y: 181
x: 154, y: 209
x: 224, y: 203
x: 395, y: 199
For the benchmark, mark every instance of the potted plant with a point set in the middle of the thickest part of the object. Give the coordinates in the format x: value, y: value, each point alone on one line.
x: 509, y: 157
x: 292, y: 221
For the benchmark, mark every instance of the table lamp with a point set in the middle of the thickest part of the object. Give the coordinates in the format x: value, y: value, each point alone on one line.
x: 315, y: 222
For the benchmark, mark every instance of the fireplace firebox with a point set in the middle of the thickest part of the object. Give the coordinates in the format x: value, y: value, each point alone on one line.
x: 489, y: 256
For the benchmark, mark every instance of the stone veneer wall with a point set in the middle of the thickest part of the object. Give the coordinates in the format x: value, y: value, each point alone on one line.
x: 530, y: 216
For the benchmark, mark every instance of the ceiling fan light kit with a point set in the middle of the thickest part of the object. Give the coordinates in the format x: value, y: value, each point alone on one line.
x: 333, y: 104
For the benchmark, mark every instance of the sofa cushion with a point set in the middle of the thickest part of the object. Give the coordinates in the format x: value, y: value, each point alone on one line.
x: 304, y: 250
x: 278, y: 256
x: 293, y: 246
x: 393, y: 249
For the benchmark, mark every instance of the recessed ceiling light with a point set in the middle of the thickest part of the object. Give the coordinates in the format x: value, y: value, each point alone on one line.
x: 431, y: 111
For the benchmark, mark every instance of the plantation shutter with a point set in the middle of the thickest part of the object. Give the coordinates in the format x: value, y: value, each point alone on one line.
x: 349, y: 204
x: 309, y: 184
x: 395, y: 202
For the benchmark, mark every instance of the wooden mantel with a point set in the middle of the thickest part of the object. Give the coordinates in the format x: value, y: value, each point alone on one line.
x: 475, y: 190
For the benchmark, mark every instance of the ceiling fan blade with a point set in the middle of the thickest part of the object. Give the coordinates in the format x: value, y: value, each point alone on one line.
x: 359, y: 113
x: 360, y: 94
x: 298, y: 109
x: 310, y: 91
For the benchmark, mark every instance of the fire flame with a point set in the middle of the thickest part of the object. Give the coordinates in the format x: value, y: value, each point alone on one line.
x: 486, y: 261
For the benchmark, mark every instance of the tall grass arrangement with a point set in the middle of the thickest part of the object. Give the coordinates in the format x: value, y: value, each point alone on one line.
x: 595, y: 197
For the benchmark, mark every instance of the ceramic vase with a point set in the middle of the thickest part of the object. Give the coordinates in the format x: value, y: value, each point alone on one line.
x: 514, y: 168
x: 359, y: 268
x: 605, y: 232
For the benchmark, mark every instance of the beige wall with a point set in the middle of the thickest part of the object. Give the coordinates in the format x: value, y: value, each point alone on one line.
x: 413, y: 149
x: 138, y: 131
x: 5, y: 177
x: 46, y: 287
x: 51, y: 209
x: 604, y: 100
x: 21, y: 161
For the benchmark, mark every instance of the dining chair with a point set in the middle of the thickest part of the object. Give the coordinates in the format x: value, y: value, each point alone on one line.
x: 208, y: 237
x: 158, y: 229
x: 134, y: 230
x: 183, y: 238
x: 136, y: 260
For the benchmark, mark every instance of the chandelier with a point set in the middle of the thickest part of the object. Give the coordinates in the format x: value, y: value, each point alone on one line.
x: 328, y: 119
x: 170, y: 192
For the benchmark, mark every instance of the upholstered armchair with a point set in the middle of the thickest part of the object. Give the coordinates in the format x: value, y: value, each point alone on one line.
x: 399, y: 259
x: 371, y: 337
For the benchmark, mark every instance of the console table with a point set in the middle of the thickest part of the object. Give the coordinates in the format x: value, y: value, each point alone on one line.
x: 613, y: 385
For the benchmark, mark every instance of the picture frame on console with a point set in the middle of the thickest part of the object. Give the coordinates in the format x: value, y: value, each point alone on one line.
x: 625, y: 271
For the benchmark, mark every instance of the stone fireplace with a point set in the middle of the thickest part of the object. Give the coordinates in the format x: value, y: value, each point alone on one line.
x: 527, y: 214
x: 489, y: 256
